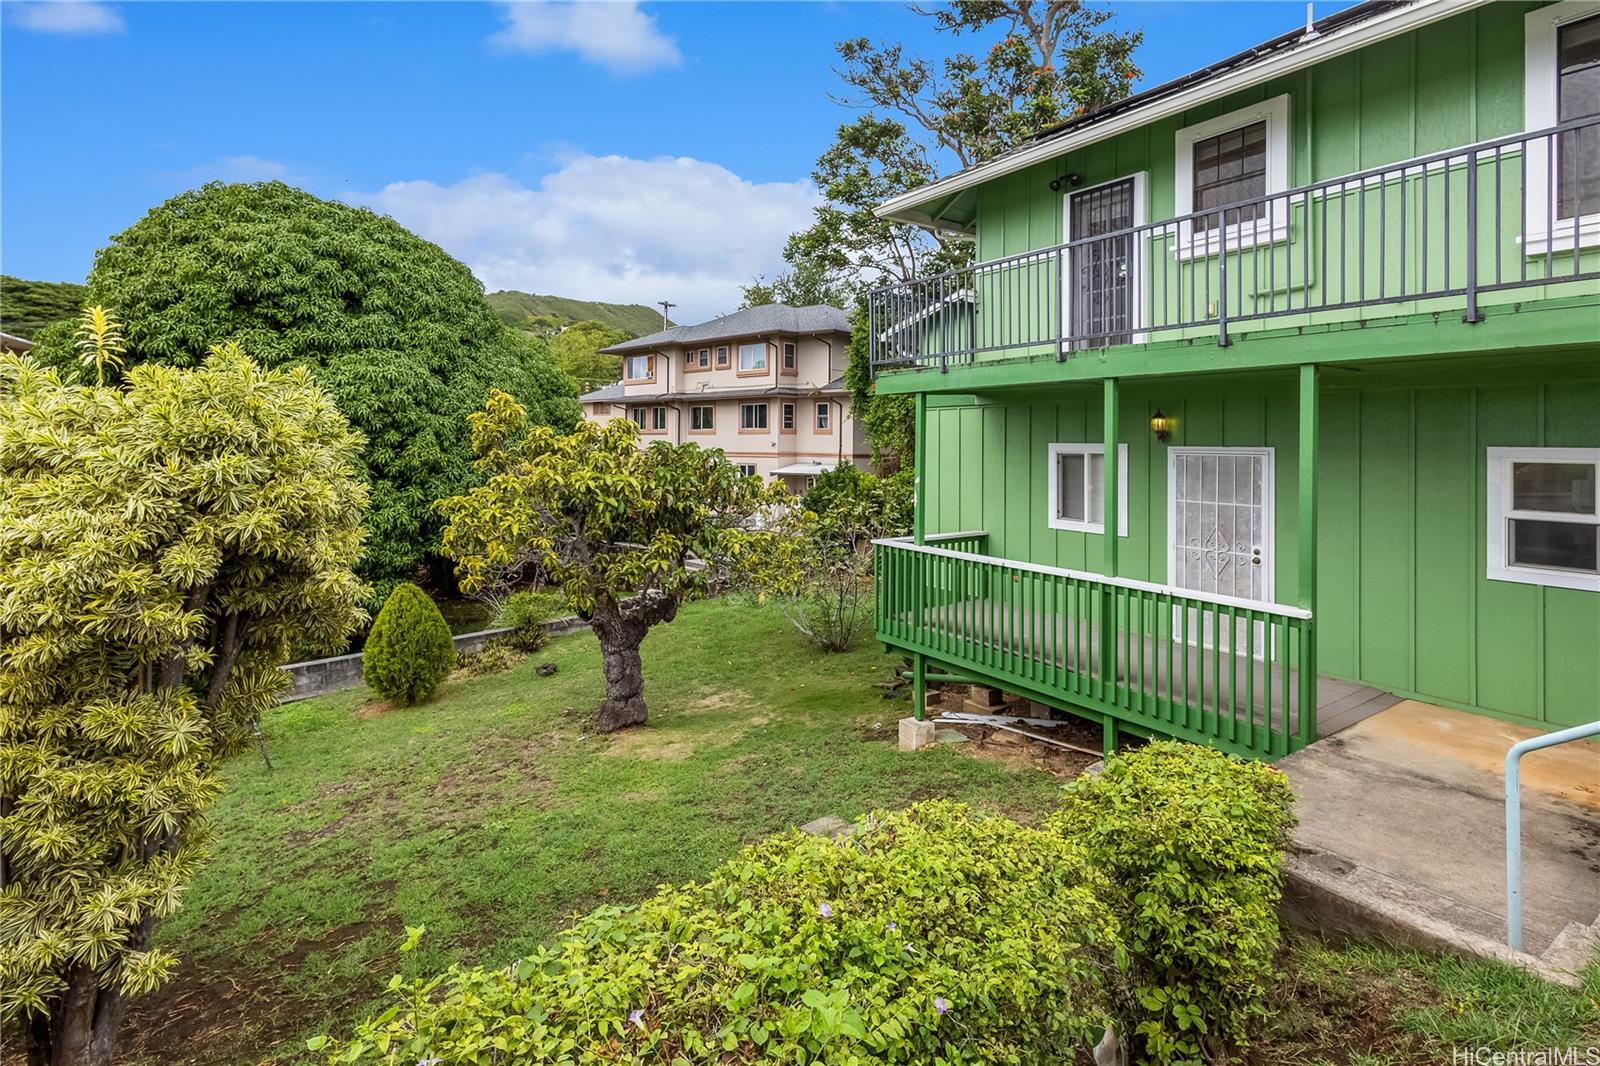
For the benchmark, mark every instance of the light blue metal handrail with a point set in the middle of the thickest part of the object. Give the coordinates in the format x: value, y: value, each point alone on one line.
x: 1514, y: 820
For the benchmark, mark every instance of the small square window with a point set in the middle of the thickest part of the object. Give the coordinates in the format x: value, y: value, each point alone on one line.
x: 700, y: 417
x: 639, y: 416
x: 1077, y: 487
x: 1543, y: 517
x: 753, y: 416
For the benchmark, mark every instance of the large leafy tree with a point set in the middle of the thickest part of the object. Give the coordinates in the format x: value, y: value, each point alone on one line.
x: 163, y: 544
x: 398, y: 332
x: 1045, y: 61
x: 625, y: 534
x: 576, y: 349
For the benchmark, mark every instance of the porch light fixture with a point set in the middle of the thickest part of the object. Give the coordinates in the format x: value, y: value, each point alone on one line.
x: 1073, y: 180
x: 1161, y: 426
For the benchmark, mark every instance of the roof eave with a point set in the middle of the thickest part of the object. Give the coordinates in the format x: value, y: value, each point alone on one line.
x: 910, y: 206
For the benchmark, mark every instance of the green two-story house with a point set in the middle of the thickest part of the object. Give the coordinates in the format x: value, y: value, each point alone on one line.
x: 1271, y: 388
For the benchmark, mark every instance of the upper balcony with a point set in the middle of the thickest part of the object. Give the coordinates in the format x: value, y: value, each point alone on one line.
x: 1454, y: 232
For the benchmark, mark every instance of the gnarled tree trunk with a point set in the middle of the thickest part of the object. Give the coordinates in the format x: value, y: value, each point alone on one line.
x: 82, y: 1028
x: 621, y: 630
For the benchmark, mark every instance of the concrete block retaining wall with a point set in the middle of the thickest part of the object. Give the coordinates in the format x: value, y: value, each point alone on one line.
x: 317, y: 677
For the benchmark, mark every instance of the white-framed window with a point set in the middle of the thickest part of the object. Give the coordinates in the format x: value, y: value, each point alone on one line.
x: 788, y: 418
x: 1561, y: 63
x: 638, y: 368
x: 705, y: 357
x: 1077, y: 487
x: 640, y: 416
x: 823, y: 416
x: 752, y: 416
x: 790, y: 356
x: 753, y: 356
x: 1544, y: 521
x: 702, y: 417
x: 722, y: 355
x: 1234, y: 157
x: 747, y: 469
x: 658, y: 418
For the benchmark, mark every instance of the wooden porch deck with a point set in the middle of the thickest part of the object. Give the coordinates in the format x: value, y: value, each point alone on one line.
x: 1220, y: 681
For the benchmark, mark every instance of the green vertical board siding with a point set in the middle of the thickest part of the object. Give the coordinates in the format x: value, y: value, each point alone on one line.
x: 1447, y: 521
x: 1403, y: 601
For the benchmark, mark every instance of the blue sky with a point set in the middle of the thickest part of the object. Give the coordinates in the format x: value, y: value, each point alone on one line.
x: 617, y: 151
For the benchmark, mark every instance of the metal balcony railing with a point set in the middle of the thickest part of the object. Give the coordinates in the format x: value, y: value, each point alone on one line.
x: 1454, y: 226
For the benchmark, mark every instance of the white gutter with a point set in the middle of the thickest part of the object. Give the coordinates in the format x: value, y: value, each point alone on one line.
x: 904, y: 208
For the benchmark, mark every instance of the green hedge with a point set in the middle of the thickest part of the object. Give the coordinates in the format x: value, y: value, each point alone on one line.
x: 934, y: 935
x: 528, y: 613
x: 1191, y: 843
x: 409, y: 650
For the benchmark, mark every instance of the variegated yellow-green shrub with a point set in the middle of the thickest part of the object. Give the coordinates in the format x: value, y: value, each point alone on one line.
x: 162, y: 543
x: 932, y: 935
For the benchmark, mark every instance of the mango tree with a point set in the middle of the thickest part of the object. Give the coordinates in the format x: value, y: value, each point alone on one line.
x: 164, y: 542
x: 625, y: 533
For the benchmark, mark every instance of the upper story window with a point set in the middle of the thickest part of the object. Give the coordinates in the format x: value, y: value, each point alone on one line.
x: 790, y: 358
x: 1228, y: 168
x: 638, y: 368
x: 658, y: 418
x: 788, y: 418
x: 1578, y: 98
x: 823, y: 413
x: 1243, y: 155
x: 1544, y: 519
x: 753, y: 357
x: 753, y: 416
x: 705, y: 357
x: 1561, y: 64
x: 722, y: 355
x: 701, y: 417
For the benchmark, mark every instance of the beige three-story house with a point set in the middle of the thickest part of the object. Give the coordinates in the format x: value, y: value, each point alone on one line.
x: 763, y: 384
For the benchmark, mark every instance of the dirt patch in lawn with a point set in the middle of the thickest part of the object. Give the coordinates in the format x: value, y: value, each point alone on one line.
x: 1009, y: 749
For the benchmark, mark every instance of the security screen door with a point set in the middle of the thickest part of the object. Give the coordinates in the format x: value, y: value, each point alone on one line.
x: 1220, y: 530
x: 1101, y: 296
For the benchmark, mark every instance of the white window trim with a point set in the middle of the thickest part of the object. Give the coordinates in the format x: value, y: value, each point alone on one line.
x: 1053, y: 488
x: 1500, y: 512
x: 1136, y: 311
x: 1274, y: 228
x: 1539, y: 112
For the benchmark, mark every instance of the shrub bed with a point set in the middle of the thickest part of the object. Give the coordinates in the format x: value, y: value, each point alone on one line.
x: 933, y: 935
x: 1191, y: 843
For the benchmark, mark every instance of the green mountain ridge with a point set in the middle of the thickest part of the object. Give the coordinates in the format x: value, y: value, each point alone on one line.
x: 515, y: 308
x: 28, y: 306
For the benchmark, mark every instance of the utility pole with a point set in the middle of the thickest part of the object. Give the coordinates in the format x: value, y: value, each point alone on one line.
x: 665, y: 305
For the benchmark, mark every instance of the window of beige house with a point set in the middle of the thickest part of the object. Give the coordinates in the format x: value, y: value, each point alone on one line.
x: 701, y: 417
x: 752, y: 416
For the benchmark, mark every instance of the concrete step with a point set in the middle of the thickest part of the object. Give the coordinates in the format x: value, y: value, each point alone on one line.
x: 1574, y: 947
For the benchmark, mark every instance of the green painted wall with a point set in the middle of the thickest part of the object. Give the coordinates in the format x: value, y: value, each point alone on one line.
x: 1402, y: 599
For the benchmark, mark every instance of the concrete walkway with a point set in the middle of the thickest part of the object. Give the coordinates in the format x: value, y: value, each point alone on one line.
x: 1402, y: 834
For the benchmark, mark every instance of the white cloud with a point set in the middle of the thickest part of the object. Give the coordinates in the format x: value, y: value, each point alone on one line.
x: 615, y: 34
x: 76, y: 17
x: 612, y: 228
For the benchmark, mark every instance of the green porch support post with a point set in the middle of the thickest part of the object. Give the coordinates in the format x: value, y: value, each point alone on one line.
x: 1108, y: 603
x: 1307, y: 530
x: 919, y: 534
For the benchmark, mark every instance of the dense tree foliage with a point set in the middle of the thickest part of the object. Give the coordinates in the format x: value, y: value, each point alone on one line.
x: 577, y: 351
x: 409, y: 649
x: 626, y: 534
x: 26, y: 307
x: 398, y: 332
x: 163, y: 543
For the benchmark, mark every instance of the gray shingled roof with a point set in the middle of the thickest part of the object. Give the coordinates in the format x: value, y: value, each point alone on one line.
x: 752, y: 321
x: 603, y: 394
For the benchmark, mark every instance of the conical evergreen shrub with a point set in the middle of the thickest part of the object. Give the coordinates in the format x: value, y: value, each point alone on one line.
x: 409, y: 650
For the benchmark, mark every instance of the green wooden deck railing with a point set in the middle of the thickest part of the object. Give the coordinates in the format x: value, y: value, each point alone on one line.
x: 1209, y: 669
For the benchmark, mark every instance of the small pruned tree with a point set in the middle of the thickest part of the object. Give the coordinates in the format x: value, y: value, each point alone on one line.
x: 163, y: 543
x: 626, y: 534
x: 814, y: 561
x: 409, y: 650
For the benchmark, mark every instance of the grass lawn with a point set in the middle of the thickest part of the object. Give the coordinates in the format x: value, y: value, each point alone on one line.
x: 494, y: 812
